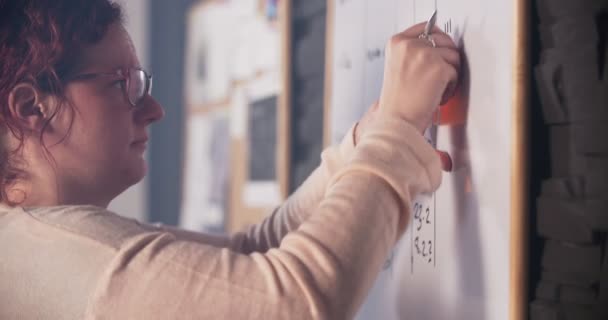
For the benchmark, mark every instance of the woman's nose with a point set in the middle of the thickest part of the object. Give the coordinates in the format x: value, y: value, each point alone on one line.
x: 151, y: 111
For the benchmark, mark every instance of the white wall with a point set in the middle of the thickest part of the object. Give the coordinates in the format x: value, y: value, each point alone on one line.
x: 133, y: 202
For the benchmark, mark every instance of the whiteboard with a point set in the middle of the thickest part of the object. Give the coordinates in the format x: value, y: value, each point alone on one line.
x: 463, y: 255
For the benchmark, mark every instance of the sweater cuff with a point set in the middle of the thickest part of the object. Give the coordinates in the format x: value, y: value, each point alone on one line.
x: 396, y: 152
x: 336, y: 157
x: 392, y: 142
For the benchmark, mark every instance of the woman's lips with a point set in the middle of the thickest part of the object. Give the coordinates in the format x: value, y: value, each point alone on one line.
x: 140, y: 144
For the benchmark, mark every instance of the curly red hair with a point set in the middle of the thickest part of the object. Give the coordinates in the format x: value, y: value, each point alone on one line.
x: 39, y: 42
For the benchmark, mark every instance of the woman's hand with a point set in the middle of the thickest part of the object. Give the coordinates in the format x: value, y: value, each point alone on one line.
x: 417, y: 76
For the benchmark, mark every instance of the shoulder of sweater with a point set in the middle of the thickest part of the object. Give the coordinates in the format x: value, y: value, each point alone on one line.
x: 88, y: 222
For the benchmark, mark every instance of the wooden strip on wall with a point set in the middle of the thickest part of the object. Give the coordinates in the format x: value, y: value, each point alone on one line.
x: 518, y: 286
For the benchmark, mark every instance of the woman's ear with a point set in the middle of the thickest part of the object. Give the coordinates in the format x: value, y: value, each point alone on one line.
x: 29, y: 107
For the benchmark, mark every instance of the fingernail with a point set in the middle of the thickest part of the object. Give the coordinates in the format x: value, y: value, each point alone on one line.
x: 446, y: 161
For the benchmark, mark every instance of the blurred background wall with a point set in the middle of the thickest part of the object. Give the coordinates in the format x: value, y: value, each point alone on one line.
x: 159, y: 31
x: 167, y: 28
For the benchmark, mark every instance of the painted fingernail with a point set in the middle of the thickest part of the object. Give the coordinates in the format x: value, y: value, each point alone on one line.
x: 446, y: 161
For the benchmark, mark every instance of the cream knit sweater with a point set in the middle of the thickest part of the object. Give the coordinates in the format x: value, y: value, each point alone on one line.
x: 315, y: 257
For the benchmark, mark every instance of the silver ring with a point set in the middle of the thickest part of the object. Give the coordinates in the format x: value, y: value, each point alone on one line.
x: 428, y: 38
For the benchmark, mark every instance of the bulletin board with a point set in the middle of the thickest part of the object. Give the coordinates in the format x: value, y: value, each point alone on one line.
x: 464, y: 253
x: 237, y: 121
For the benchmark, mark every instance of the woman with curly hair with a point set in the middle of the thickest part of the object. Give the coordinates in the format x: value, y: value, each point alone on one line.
x: 75, y: 107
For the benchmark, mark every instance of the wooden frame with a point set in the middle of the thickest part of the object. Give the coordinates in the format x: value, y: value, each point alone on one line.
x: 520, y: 181
x: 519, y: 184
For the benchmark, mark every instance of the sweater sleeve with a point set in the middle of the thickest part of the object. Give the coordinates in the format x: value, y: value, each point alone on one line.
x: 288, y: 216
x: 299, y: 206
x: 321, y: 270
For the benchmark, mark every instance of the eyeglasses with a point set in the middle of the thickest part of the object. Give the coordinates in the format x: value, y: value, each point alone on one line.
x: 136, y: 84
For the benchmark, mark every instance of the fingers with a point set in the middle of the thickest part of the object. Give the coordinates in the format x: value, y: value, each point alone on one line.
x: 447, y: 50
x: 451, y: 81
x: 416, y: 70
x: 451, y: 56
x: 443, y: 43
x: 414, y: 31
x: 441, y: 38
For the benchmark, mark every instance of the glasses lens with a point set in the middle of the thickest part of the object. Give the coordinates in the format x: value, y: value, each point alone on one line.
x: 149, y: 85
x: 137, y: 86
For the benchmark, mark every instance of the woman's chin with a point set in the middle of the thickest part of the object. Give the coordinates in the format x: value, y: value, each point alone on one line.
x: 136, y: 172
x: 142, y: 169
